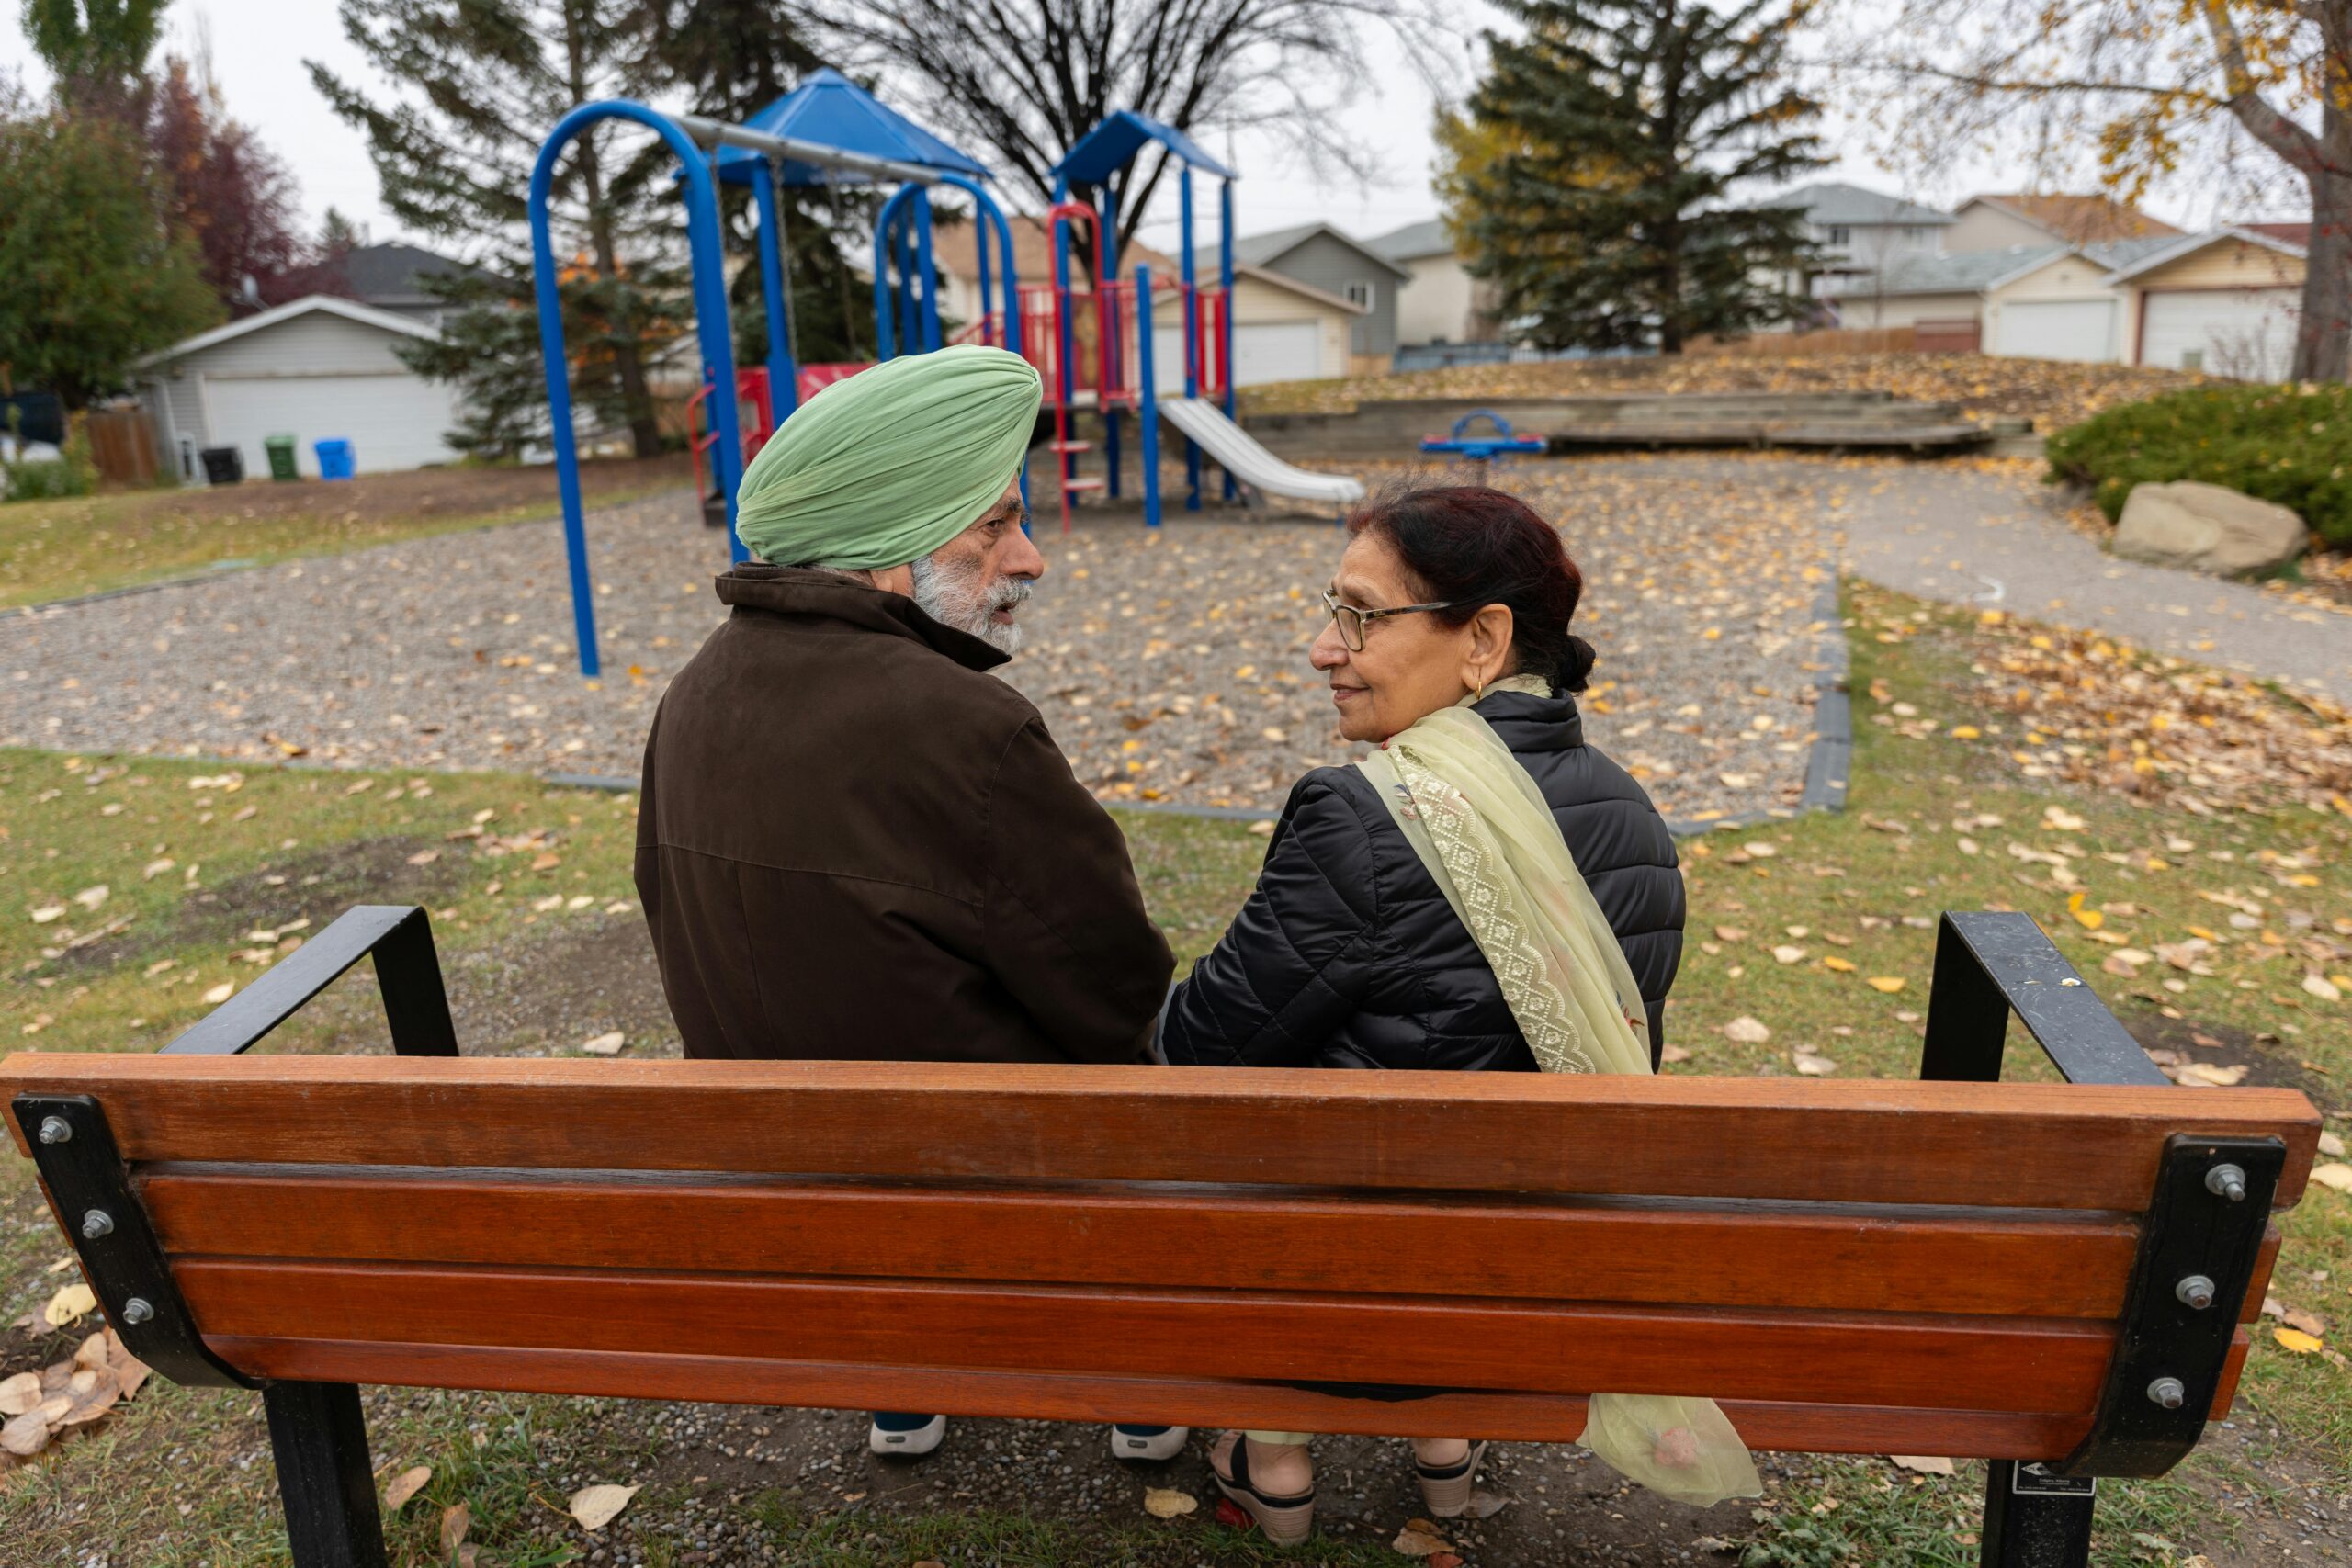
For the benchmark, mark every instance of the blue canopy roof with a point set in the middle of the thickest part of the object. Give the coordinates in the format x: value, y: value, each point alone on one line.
x: 1113, y: 145
x: 830, y: 110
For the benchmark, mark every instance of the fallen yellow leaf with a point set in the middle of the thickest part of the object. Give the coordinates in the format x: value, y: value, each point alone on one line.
x: 71, y: 1302
x: 2334, y: 1175
x: 597, y: 1506
x: 2295, y: 1339
x: 1842, y: 965
x: 1890, y: 984
x: 1167, y: 1502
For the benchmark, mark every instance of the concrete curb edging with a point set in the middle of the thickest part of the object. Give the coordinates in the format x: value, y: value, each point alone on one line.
x: 1826, y: 765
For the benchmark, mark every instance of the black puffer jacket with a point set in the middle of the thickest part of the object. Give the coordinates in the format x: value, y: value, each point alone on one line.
x: 1347, y: 955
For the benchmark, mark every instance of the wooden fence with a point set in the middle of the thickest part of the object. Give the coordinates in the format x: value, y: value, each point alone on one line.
x: 122, y: 445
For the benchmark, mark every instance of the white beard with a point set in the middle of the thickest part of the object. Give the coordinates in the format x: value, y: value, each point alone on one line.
x: 960, y: 597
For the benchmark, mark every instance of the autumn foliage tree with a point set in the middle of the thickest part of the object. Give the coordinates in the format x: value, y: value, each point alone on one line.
x: 2142, y: 88
x: 1600, y: 178
x: 229, y: 195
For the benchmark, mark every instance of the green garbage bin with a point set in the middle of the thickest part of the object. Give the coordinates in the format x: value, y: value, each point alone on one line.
x: 281, y: 457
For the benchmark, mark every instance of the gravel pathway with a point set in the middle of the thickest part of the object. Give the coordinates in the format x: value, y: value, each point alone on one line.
x: 1991, y: 533
x: 1172, y: 666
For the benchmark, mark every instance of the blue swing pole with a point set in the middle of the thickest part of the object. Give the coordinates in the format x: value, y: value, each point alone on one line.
x: 1106, y: 243
x: 1147, y: 400
x: 783, y: 393
x: 710, y: 327
x: 1225, y: 326
x: 1191, y: 339
x: 926, y: 277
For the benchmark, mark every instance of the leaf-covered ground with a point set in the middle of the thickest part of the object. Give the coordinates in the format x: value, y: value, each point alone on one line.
x: 2225, y: 865
x: 2051, y: 393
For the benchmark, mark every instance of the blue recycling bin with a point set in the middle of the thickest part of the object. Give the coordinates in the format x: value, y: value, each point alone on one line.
x: 335, y: 460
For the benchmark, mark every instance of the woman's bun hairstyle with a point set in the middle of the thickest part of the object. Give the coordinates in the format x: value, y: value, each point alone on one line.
x: 1471, y: 546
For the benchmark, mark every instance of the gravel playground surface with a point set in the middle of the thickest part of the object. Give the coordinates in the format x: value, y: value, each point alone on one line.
x: 1171, y: 667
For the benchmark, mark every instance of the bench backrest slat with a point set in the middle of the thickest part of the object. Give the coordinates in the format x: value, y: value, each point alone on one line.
x: 1850, y: 1259
x: 2016, y: 1145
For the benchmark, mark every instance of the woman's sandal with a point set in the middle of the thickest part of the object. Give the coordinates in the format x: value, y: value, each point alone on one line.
x: 1286, y: 1521
x: 1446, y: 1487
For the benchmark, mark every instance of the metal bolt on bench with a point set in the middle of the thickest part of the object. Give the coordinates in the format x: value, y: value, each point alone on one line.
x: 2053, y: 1275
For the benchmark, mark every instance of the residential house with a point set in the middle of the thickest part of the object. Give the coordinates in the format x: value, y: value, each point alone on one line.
x: 389, y: 275
x: 1996, y: 223
x: 1284, y: 329
x: 1857, y: 232
x: 2039, y: 301
x: 1335, y: 265
x: 317, y: 367
x: 2225, y: 302
x: 1443, y: 303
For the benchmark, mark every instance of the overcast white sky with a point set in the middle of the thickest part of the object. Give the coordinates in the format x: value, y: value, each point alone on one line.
x: 258, y: 47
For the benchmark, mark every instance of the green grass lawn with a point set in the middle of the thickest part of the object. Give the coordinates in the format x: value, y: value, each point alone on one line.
x: 58, y: 550
x: 209, y: 873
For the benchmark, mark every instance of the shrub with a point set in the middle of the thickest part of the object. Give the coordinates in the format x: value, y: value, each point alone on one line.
x: 72, y: 472
x: 2290, y: 444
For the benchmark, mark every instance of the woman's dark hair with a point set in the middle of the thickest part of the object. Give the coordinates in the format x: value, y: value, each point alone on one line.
x: 1471, y: 546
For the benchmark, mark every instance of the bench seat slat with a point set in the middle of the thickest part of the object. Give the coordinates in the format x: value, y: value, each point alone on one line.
x: 1510, y: 1417
x: 2027, y: 1145
x: 1861, y: 1258
x: 1957, y: 1363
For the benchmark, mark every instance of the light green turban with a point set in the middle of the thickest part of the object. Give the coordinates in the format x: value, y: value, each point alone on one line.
x: 886, y: 466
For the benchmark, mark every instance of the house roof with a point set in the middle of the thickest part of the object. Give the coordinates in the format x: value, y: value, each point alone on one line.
x: 1828, y: 201
x: 2297, y: 234
x: 1032, y: 250
x: 350, y: 310
x: 2078, y: 220
x: 1964, y: 272
x: 387, y: 273
x: 1414, y: 240
x: 1113, y: 145
x: 830, y: 110
x: 2190, y: 244
x: 1266, y: 249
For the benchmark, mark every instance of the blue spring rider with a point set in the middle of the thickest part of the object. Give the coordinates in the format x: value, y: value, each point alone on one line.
x: 1498, y: 445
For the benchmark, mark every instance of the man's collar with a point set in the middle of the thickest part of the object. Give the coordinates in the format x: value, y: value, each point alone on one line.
x: 830, y: 595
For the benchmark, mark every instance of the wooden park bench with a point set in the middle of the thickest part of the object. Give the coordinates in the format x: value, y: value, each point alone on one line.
x: 2053, y: 1276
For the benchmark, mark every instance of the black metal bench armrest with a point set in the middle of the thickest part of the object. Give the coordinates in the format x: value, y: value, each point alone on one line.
x: 397, y: 936
x: 1990, y: 963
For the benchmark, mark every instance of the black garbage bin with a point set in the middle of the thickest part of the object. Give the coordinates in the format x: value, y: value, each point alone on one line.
x: 224, y: 465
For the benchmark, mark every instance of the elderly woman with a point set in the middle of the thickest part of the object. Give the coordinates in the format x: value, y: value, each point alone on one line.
x: 1485, y: 892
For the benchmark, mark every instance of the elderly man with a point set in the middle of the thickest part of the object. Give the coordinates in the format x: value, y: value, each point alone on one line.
x: 855, y: 843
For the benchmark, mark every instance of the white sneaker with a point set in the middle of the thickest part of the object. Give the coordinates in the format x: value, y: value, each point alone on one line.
x: 1148, y: 1442
x: 906, y: 1442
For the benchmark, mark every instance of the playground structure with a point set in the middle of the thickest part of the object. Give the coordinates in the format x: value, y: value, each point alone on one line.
x: 1498, y: 445
x: 1093, y: 346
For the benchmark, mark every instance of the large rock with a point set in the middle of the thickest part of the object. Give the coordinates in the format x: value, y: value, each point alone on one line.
x: 2203, y: 527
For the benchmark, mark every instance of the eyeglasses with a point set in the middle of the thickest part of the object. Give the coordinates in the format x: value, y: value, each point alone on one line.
x: 1351, y: 620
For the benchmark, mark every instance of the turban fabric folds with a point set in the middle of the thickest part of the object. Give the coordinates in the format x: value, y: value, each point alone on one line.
x: 886, y: 466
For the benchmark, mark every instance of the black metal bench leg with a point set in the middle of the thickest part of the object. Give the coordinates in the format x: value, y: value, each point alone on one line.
x: 320, y: 1438
x: 2036, y: 1519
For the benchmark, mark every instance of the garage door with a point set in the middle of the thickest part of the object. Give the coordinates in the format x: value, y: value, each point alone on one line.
x: 2056, y: 329
x: 2246, y: 333
x: 1263, y: 351
x: 392, y: 421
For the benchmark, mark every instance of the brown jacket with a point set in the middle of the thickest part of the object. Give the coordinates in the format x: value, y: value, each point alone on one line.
x: 855, y: 844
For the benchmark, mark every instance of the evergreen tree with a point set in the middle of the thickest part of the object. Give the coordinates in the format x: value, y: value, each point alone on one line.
x: 1630, y: 125
x: 477, y: 87
x: 731, y: 59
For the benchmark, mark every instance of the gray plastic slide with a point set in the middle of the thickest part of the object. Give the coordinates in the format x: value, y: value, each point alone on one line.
x: 1237, y: 455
